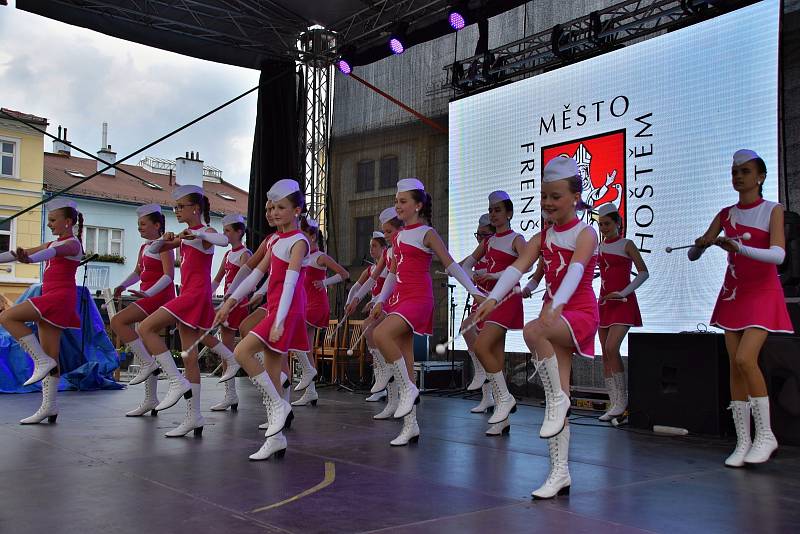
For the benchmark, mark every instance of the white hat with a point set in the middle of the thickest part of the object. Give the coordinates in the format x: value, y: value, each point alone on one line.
x: 484, y: 220
x: 559, y: 168
x: 312, y: 222
x: 61, y: 202
x: 282, y: 189
x: 606, y: 209
x: 147, y: 209
x: 387, y: 215
x: 498, y: 196
x: 378, y: 235
x: 232, y: 218
x: 743, y: 156
x: 409, y: 184
x: 184, y: 190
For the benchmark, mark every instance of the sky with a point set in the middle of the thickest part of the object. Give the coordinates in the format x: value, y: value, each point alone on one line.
x: 79, y: 79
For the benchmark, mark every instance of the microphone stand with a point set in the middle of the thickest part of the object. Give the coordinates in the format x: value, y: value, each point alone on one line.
x: 84, y: 304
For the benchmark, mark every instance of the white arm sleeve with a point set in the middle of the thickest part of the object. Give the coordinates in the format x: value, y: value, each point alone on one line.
x: 216, y: 239
x: 352, y: 293
x: 635, y: 283
x: 459, y: 274
x: 388, y: 287
x: 366, y: 288
x: 287, y: 295
x: 160, y: 285
x: 43, y: 255
x: 7, y: 257
x: 243, y: 273
x: 508, y: 280
x: 155, y: 246
x: 468, y: 263
x: 247, y: 285
x: 773, y: 254
x: 331, y: 280
x: 130, y: 280
x: 695, y: 253
x: 532, y: 284
x: 569, y: 284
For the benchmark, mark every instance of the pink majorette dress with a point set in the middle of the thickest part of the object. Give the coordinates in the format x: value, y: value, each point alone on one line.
x: 56, y: 304
x: 751, y: 294
x: 294, y: 336
x: 318, y: 307
x: 480, y: 268
x: 412, y: 298
x: 499, y: 255
x: 273, y: 237
x: 376, y: 290
x: 151, y: 269
x: 193, y: 306
x: 580, y: 312
x: 615, y: 275
x: 232, y: 262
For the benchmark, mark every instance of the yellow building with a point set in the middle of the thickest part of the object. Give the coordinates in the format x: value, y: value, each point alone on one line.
x: 21, y: 177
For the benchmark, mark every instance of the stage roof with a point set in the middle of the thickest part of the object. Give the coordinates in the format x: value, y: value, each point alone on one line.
x: 250, y: 33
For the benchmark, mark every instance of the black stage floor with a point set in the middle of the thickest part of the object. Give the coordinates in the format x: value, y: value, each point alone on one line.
x: 97, y: 471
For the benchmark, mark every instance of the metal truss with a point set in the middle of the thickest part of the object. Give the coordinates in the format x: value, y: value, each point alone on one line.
x: 578, y: 39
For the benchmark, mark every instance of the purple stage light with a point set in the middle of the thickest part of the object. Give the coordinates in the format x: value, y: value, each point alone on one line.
x: 396, y: 46
x: 344, y: 67
x: 456, y: 20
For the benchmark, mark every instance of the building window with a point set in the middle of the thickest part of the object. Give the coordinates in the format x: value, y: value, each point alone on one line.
x: 365, y: 178
x: 364, y: 229
x: 5, y: 235
x: 8, y: 156
x: 389, y: 172
x: 103, y: 241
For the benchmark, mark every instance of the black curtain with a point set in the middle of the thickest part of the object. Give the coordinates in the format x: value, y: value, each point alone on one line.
x: 276, y: 147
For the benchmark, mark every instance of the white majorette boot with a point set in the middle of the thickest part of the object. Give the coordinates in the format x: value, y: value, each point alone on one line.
x: 49, y: 408
x: 147, y: 364
x: 409, y: 394
x: 379, y: 368
x: 741, y: 421
x: 310, y: 396
x: 178, y: 385
x: 503, y: 427
x: 375, y: 397
x: 308, y: 371
x: 231, y: 365
x: 278, y: 410
x: 192, y: 421
x: 42, y: 363
x: 231, y: 399
x: 392, y: 399
x: 558, y: 480
x: 487, y: 399
x: 479, y: 378
x: 611, y: 386
x: 150, y: 398
x: 273, y: 446
x: 765, y: 443
x: 287, y: 396
x: 504, y: 402
x: 382, y: 379
x: 556, y: 401
x: 410, y: 431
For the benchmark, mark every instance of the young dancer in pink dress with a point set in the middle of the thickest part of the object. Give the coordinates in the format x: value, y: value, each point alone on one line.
x: 499, y: 251
x: 155, y: 273
x: 283, y: 328
x: 54, y: 309
x: 569, y: 318
x: 390, y: 225
x: 750, y: 304
x: 408, y: 291
x: 192, y: 310
x: 318, y: 308
x: 234, y: 229
x: 619, y: 309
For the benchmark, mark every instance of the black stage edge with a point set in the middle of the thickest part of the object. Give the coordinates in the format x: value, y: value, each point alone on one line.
x: 97, y: 470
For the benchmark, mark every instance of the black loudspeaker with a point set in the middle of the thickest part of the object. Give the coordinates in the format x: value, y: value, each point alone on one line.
x: 780, y: 363
x: 679, y: 380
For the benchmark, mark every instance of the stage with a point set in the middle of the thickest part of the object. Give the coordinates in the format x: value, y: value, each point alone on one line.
x: 97, y: 470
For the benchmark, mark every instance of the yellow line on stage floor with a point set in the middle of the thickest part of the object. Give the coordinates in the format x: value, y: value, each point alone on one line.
x: 330, y: 476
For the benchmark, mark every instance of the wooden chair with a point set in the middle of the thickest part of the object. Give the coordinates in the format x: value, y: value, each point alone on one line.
x: 327, y: 349
x: 359, y: 344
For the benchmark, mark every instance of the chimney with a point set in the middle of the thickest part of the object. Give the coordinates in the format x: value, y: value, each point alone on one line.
x: 106, y: 155
x: 60, y: 145
x: 189, y: 170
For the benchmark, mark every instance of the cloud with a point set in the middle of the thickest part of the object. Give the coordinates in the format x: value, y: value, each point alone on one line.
x: 79, y: 79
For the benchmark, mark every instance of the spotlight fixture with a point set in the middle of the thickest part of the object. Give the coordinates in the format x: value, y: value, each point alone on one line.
x: 397, y: 40
x: 344, y: 67
x: 457, y: 15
